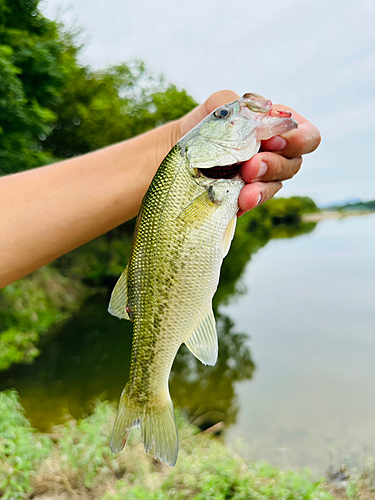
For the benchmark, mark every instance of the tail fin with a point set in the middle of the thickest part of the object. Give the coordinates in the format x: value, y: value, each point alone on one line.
x: 157, y: 424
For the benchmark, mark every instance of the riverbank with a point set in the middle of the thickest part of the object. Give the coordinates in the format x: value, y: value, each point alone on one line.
x: 74, y: 461
x: 35, y: 307
x: 333, y: 214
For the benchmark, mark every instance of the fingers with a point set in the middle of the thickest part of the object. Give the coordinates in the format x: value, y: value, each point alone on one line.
x: 281, y: 157
x: 305, y: 139
x: 255, y: 194
x: 270, y: 167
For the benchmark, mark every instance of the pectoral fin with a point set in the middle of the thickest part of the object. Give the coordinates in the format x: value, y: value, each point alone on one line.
x: 119, y: 297
x: 228, y: 236
x: 199, y: 210
x: 203, y: 341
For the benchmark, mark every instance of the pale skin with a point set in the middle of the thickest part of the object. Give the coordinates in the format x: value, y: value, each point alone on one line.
x: 49, y: 211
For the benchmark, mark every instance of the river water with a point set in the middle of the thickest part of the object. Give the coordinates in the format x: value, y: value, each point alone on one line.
x: 310, y: 311
x: 295, y: 379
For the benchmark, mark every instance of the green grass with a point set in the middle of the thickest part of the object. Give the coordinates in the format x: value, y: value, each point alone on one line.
x: 32, y: 307
x: 75, y: 460
x: 21, y: 449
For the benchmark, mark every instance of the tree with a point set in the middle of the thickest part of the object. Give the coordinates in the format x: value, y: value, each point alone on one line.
x: 30, y: 83
x: 53, y: 107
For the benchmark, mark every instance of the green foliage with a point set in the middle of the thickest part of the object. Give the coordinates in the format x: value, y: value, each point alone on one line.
x: 78, y: 462
x: 21, y: 449
x: 359, y: 205
x: 52, y: 107
x: 282, y: 211
x: 31, y: 79
x: 83, y: 447
x: 99, y: 108
x: 31, y: 307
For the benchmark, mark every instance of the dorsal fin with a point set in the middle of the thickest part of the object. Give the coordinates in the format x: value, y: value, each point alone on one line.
x: 203, y: 341
x: 119, y: 297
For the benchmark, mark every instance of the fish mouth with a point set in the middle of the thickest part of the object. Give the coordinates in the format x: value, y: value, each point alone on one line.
x: 224, y: 172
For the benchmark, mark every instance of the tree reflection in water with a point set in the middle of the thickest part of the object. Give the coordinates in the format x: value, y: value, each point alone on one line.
x: 89, y: 356
x: 207, y: 393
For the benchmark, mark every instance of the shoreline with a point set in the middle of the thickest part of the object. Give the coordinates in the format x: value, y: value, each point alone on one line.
x: 333, y: 214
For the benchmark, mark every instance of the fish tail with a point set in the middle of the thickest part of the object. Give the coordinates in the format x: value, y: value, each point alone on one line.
x: 156, y: 421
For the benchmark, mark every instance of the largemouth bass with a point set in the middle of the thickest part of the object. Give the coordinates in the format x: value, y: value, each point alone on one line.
x: 184, y: 230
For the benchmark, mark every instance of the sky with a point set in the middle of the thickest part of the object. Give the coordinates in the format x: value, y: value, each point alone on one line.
x: 318, y: 57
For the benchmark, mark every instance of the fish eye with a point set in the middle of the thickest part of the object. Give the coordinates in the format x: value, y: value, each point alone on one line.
x: 222, y: 113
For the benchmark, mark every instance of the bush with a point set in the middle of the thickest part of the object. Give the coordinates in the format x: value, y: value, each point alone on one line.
x: 21, y: 449
x: 76, y: 460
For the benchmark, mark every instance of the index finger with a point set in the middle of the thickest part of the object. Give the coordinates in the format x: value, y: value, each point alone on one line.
x: 305, y: 139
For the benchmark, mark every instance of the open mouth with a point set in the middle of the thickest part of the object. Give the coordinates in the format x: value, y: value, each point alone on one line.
x: 225, y: 172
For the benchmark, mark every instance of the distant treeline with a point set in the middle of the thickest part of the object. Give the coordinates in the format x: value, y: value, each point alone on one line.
x: 358, y: 205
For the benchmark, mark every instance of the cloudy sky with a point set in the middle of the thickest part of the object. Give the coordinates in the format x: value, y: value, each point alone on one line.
x: 317, y: 57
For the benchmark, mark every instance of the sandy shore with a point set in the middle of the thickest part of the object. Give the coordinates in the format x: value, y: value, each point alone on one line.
x: 332, y: 214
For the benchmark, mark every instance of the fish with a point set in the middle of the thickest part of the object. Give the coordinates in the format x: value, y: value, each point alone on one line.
x: 183, y: 232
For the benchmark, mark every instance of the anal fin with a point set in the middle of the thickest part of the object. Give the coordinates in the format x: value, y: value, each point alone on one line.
x: 203, y: 341
x: 119, y: 297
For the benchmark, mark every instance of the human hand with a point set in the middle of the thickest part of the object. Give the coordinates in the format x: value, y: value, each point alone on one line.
x: 279, y: 159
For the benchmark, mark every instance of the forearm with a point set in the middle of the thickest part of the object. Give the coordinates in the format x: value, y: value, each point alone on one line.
x: 46, y: 212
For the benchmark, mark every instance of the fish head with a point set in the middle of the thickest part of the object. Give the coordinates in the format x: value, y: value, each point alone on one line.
x: 232, y: 133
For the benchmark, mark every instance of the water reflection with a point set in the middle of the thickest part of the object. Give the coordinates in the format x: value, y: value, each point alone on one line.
x: 89, y: 356
x: 312, y: 313
x: 207, y: 393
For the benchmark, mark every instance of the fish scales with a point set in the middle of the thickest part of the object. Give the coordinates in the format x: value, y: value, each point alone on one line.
x: 162, y: 265
x: 183, y: 232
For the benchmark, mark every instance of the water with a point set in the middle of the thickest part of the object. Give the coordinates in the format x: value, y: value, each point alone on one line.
x: 310, y: 311
x: 296, y: 370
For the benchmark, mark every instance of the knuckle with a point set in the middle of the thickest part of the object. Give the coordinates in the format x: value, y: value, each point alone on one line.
x: 279, y: 168
x: 301, y: 141
x: 298, y: 165
x: 276, y: 166
x: 273, y: 188
x: 278, y: 186
x: 317, y: 138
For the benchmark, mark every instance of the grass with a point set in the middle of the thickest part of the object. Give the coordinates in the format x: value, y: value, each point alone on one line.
x: 32, y: 307
x: 75, y: 461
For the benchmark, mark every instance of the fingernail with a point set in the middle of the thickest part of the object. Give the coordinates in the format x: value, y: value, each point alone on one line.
x: 259, y: 199
x: 277, y: 143
x: 262, y: 170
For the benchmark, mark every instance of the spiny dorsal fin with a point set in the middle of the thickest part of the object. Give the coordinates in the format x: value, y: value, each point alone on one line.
x: 228, y: 236
x: 203, y: 341
x: 119, y: 297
